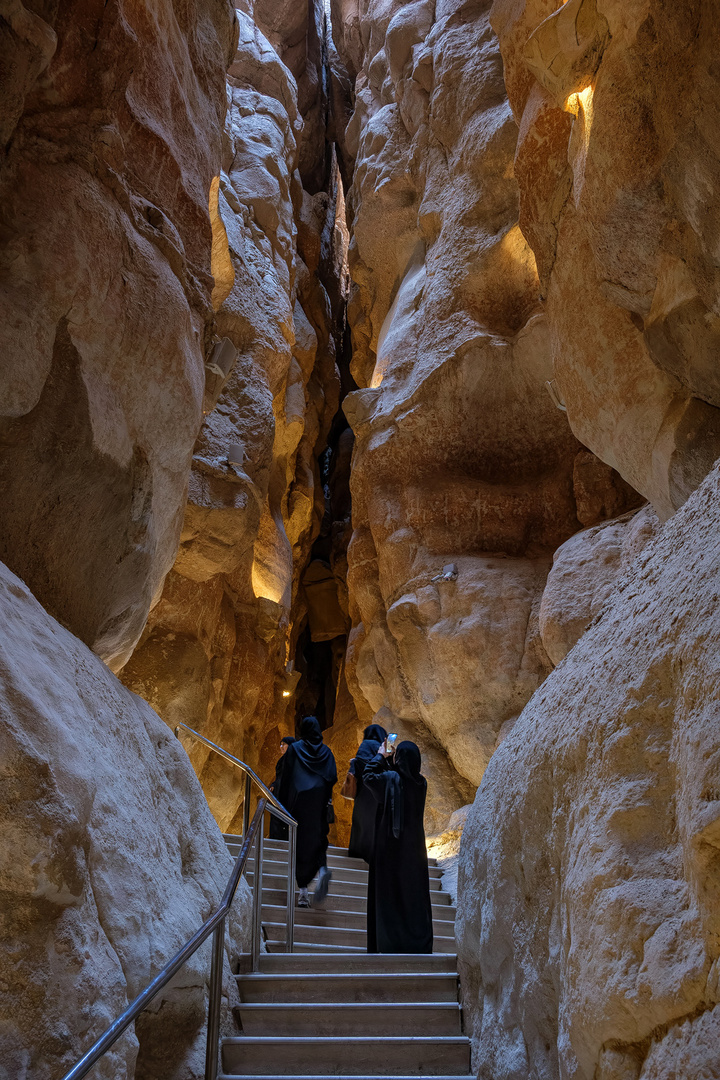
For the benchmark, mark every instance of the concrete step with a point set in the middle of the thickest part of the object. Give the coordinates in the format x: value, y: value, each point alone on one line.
x: 336, y: 935
x: 314, y: 946
x: 327, y: 915
x: 343, y: 881
x: 350, y: 1019
x: 365, y: 964
x: 345, y: 869
x: 340, y: 900
x: 274, y: 1076
x: 341, y: 987
x: 350, y: 1056
x: 281, y: 846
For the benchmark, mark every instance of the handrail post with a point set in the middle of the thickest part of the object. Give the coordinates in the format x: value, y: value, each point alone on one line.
x: 290, y: 927
x: 257, y: 901
x: 246, y: 803
x: 213, y: 1020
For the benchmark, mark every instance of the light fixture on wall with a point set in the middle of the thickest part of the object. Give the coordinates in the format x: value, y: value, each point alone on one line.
x: 290, y: 678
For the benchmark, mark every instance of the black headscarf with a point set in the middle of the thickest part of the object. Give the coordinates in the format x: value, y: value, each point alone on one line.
x: 312, y: 751
x: 376, y: 732
x: 310, y: 730
x: 289, y: 739
x: 406, y: 770
x: 373, y: 736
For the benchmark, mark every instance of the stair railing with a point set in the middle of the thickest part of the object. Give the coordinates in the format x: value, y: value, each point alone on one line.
x: 214, y: 924
x: 277, y: 810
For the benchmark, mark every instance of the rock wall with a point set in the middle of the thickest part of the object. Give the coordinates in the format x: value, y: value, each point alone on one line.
x: 588, y: 869
x: 219, y: 648
x: 465, y: 475
x: 110, y: 861
x: 112, y: 120
x: 616, y: 164
x: 589, y: 877
x: 111, y: 138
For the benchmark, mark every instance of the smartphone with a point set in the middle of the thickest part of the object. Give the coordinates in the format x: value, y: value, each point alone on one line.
x: 390, y: 741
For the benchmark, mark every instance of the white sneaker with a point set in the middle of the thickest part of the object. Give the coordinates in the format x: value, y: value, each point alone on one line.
x: 321, y: 891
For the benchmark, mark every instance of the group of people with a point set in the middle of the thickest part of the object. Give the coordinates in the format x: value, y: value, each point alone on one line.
x: 387, y: 829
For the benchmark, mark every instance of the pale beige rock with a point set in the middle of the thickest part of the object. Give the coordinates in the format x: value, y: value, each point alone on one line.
x: 588, y: 919
x: 584, y: 574
x: 113, y: 141
x: 110, y: 860
x: 616, y: 164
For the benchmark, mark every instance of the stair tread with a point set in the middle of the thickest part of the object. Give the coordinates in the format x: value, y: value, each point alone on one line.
x: 282, y: 846
x: 365, y: 962
x: 367, y: 1040
x: 365, y: 1006
x: 273, y: 976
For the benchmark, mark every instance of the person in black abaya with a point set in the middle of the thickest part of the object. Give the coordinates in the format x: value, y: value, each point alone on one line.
x: 365, y: 807
x: 305, y: 789
x: 278, y: 828
x: 399, y: 915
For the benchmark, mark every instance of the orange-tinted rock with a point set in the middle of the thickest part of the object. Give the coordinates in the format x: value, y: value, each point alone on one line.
x: 617, y: 157
x: 462, y: 477
x: 218, y: 649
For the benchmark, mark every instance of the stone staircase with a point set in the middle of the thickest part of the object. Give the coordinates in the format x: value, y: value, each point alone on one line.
x: 331, y: 1010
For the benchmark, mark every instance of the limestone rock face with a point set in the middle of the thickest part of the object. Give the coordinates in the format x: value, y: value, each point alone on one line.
x: 110, y: 860
x: 588, y: 915
x: 584, y: 574
x: 617, y: 106
x: 111, y: 138
x: 218, y: 649
x: 465, y: 477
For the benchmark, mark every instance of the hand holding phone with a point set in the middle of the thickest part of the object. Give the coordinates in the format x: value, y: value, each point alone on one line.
x: 388, y: 747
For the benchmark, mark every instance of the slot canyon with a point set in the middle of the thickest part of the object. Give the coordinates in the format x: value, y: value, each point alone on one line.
x: 357, y: 362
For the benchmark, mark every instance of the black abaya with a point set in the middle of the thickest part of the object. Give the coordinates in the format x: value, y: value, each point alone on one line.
x: 305, y: 788
x: 365, y: 807
x: 399, y: 914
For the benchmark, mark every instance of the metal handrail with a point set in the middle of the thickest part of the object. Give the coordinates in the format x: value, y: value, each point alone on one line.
x: 214, y: 925
x: 276, y: 807
x: 277, y: 810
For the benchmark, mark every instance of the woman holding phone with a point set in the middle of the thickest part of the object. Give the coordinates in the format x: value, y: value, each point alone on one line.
x: 399, y: 914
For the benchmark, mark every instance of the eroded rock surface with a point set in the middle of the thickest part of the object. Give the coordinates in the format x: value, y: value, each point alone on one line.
x: 616, y: 164
x: 219, y: 648
x: 588, y: 918
x: 110, y: 860
x: 111, y: 138
x: 585, y: 572
x: 464, y: 477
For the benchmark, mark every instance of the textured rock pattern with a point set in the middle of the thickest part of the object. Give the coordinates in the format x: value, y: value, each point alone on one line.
x: 110, y: 860
x: 617, y: 106
x: 465, y: 476
x: 216, y: 648
x: 112, y: 123
x: 588, y: 920
x: 584, y: 574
